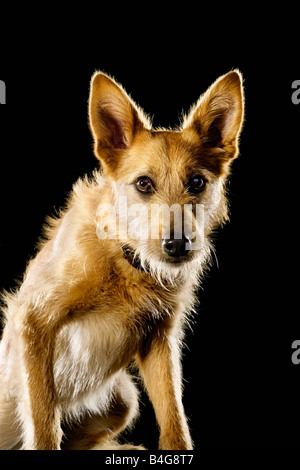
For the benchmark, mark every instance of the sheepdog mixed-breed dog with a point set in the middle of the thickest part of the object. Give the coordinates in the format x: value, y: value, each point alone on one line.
x: 114, y: 280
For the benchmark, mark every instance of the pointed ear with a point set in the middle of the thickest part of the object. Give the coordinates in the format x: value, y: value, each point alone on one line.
x: 217, y: 117
x: 114, y: 118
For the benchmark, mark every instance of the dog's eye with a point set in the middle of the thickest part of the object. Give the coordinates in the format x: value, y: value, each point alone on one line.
x: 196, y: 184
x: 144, y: 184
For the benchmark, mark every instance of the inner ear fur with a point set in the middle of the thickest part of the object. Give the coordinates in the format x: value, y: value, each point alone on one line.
x: 114, y: 118
x: 217, y: 117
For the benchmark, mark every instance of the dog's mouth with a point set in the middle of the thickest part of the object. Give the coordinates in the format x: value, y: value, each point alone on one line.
x: 134, y: 259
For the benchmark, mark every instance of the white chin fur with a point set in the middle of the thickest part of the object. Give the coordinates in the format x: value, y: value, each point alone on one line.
x: 164, y: 271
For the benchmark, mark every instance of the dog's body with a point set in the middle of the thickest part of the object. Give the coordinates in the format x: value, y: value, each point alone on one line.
x: 91, y: 305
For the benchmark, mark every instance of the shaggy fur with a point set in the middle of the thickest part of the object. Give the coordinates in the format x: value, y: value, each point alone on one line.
x: 85, y: 311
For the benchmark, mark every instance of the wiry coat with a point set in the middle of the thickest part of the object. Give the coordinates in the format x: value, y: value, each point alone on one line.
x: 83, y: 313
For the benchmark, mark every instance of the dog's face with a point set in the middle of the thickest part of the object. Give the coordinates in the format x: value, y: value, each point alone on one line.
x: 167, y: 187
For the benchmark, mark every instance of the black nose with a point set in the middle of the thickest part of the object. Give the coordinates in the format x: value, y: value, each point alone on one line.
x: 176, y: 247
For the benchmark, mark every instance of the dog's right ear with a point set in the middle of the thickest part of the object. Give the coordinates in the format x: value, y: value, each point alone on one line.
x: 217, y: 117
x: 114, y: 119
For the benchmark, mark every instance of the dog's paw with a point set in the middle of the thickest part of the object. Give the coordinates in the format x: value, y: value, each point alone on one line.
x: 114, y: 445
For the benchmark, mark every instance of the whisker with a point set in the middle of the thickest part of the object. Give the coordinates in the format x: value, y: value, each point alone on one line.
x: 214, y: 254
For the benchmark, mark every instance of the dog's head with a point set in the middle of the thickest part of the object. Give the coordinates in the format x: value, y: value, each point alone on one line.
x: 166, y: 187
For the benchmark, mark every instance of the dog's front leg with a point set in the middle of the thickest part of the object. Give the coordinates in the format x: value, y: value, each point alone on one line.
x: 161, y: 370
x: 38, y: 407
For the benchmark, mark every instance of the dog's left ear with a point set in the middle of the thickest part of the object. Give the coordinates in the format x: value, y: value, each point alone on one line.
x: 217, y: 117
x: 114, y: 119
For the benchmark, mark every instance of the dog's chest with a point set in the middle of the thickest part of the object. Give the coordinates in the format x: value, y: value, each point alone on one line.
x: 87, y: 352
x: 102, y: 339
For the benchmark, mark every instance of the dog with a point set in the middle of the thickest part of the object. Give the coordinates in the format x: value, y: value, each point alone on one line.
x: 102, y: 295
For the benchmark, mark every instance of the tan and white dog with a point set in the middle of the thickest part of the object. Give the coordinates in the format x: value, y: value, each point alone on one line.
x: 97, y: 299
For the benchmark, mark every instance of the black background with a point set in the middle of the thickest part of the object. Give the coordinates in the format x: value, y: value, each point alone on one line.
x: 241, y: 390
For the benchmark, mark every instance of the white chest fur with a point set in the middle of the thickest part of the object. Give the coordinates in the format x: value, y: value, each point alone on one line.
x: 88, y: 355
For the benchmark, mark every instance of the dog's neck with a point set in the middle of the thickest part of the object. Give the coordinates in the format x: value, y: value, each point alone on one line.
x: 134, y: 260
